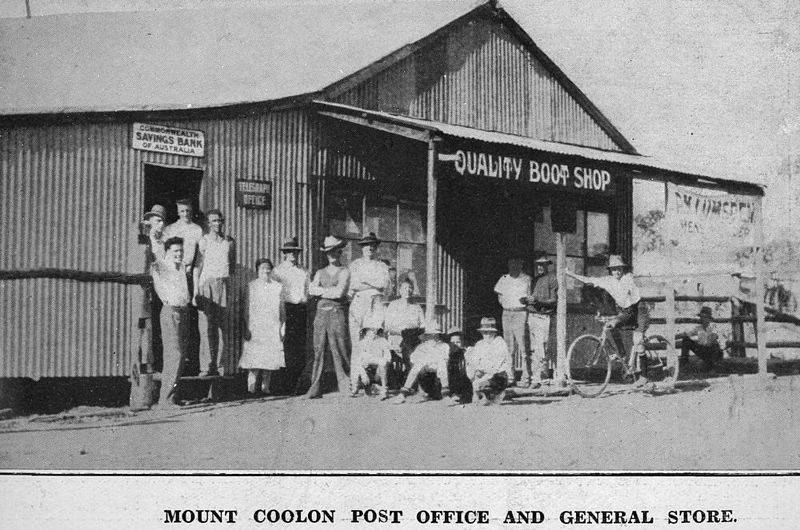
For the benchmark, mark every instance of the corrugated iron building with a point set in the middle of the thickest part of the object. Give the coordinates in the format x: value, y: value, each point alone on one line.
x: 340, y: 128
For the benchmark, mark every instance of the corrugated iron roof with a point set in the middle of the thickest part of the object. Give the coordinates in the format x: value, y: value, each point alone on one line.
x: 201, y: 58
x: 470, y: 133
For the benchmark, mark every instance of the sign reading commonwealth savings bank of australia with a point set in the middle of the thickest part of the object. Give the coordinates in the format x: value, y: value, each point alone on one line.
x: 172, y: 140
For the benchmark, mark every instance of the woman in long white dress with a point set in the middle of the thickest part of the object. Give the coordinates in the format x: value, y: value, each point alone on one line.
x: 263, y: 332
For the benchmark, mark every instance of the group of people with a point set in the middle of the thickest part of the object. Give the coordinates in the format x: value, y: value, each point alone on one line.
x: 366, y: 337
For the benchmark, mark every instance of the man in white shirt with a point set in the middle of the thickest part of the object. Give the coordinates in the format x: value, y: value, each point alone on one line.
x: 702, y: 340
x: 369, y: 277
x: 430, y: 358
x: 487, y: 365
x: 511, y: 289
x: 171, y: 285
x: 190, y: 233
x: 622, y: 287
x: 295, y: 282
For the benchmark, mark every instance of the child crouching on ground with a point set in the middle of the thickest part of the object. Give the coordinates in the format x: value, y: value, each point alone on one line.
x: 372, y: 350
x: 487, y: 365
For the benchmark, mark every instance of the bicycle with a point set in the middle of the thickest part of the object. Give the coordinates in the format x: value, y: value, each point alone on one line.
x: 591, y: 359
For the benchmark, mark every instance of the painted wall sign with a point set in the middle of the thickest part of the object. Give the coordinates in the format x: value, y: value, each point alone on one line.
x: 549, y: 173
x: 254, y: 194
x: 173, y: 140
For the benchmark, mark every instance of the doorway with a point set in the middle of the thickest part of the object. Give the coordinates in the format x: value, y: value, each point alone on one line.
x: 166, y: 185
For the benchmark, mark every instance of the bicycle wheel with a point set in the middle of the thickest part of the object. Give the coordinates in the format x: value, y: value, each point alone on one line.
x: 588, y: 366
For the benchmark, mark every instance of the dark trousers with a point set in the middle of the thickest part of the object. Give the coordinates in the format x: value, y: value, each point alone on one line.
x: 294, y: 345
x: 709, y: 353
x: 330, y: 334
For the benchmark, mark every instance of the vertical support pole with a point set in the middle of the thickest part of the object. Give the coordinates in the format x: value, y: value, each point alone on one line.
x: 560, y: 371
x: 430, y: 240
x: 669, y: 291
x: 758, y: 268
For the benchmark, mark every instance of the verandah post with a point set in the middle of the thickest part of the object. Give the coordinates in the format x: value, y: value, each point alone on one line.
x: 561, y: 308
x: 758, y: 267
x: 430, y: 240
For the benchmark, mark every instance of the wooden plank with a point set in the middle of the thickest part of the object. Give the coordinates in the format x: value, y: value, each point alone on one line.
x: 669, y: 293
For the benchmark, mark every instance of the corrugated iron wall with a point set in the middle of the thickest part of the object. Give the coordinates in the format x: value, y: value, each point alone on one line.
x: 70, y: 197
x: 481, y: 76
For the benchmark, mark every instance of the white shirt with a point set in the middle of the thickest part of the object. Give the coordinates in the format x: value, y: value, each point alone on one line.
x: 400, y: 315
x: 191, y: 234
x: 487, y: 356
x: 372, y: 272
x: 215, y: 255
x: 509, y: 290
x: 170, y: 283
x: 624, y: 291
x: 294, y: 280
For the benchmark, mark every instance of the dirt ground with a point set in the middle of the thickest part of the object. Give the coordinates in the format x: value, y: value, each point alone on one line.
x: 728, y: 423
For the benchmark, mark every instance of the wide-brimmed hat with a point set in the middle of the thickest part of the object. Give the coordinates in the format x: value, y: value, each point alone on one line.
x: 369, y: 239
x: 488, y: 324
x: 705, y: 311
x: 455, y: 330
x: 432, y: 330
x: 331, y: 243
x: 156, y: 211
x: 615, y: 262
x: 291, y: 245
x: 744, y: 273
x: 543, y: 260
x: 375, y: 323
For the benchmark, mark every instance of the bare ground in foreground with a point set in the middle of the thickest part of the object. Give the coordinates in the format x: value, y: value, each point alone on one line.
x: 733, y: 423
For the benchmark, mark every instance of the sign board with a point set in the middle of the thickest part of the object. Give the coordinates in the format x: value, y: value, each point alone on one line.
x: 541, y: 169
x: 172, y: 140
x: 254, y: 194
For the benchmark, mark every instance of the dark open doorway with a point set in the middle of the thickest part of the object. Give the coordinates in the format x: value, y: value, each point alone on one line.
x: 165, y: 185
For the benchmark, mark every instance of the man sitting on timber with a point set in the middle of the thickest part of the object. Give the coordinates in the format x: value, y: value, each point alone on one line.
x: 702, y: 340
x: 487, y: 365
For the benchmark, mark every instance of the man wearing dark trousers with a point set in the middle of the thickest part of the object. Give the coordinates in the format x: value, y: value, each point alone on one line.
x: 295, y: 288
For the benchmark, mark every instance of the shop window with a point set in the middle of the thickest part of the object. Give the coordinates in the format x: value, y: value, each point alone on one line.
x: 587, y: 248
x: 399, y: 224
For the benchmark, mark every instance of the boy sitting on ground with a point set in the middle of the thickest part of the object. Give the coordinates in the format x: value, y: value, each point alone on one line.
x: 371, y: 351
x: 487, y: 365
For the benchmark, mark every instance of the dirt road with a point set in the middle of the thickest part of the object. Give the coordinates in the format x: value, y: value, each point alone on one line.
x: 732, y: 423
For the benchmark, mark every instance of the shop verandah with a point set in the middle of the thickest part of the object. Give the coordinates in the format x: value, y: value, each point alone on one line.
x: 482, y: 196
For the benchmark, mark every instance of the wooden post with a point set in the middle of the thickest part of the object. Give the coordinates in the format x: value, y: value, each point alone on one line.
x: 758, y: 268
x: 669, y: 291
x: 430, y: 241
x: 560, y: 371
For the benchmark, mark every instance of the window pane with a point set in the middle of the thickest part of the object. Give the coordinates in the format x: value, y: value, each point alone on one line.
x: 597, y: 234
x: 344, y: 214
x: 544, y: 240
x: 382, y: 219
x: 350, y: 252
x: 412, y: 224
x: 574, y: 287
x: 574, y: 242
x: 411, y: 264
x: 387, y: 253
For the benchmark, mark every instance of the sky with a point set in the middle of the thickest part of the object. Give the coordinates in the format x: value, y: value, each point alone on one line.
x: 709, y: 84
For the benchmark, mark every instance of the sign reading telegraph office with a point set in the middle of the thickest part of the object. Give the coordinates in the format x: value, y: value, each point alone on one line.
x: 542, y: 169
x: 172, y: 140
x: 254, y: 194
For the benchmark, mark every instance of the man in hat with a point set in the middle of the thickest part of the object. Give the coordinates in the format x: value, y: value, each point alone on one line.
x: 541, y: 305
x: 171, y: 285
x: 702, y: 340
x: 486, y: 365
x: 214, y: 263
x: 743, y: 304
x: 295, y: 286
x: 429, y: 361
x: 459, y: 383
x: 369, y: 277
x: 622, y: 287
x: 511, y: 289
x: 330, y: 323
x: 149, y: 247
